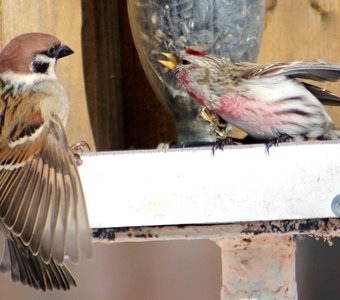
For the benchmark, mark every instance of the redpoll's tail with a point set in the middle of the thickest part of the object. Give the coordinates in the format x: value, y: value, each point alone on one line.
x: 326, y: 97
x: 331, y: 135
x: 31, y: 270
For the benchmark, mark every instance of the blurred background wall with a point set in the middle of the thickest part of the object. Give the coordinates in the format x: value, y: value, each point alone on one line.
x: 125, y: 114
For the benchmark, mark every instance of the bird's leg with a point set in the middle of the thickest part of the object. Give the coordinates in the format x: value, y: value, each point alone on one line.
x: 78, y: 149
x: 220, y: 143
x: 276, y: 140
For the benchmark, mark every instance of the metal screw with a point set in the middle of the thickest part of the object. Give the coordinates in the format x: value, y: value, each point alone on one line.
x: 336, y: 205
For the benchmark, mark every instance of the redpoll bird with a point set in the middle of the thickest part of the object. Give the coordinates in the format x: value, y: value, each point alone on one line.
x: 265, y: 101
x: 42, y: 208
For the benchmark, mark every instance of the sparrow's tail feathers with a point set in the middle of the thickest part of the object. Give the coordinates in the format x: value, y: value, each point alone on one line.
x: 31, y: 270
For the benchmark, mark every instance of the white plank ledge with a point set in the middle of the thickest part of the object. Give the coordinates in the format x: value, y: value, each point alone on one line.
x: 191, y: 186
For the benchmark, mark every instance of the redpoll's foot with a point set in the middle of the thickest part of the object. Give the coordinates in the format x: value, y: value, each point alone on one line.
x: 77, y: 150
x: 219, y: 145
x: 277, y: 140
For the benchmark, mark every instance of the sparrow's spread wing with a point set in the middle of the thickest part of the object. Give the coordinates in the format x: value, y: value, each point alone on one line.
x: 41, y: 198
x: 31, y: 270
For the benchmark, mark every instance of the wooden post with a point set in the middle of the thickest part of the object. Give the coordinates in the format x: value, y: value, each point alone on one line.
x: 101, y: 48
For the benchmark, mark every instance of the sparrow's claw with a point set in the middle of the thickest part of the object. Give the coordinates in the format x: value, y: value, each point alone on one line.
x: 78, y: 149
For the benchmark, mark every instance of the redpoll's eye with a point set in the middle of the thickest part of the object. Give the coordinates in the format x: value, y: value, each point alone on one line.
x: 185, y: 62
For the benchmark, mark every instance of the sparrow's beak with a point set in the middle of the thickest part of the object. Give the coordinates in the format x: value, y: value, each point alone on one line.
x: 63, y: 51
x: 171, y: 63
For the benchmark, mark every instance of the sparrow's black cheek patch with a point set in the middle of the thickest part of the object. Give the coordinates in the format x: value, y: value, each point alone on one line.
x: 40, y: 67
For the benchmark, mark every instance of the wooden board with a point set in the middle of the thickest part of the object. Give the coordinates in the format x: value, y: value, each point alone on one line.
x: 192, y: 186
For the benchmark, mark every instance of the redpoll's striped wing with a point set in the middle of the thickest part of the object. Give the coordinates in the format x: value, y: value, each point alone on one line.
x: 318, y: 71
x: 31, y: 270
x: 41, y: 198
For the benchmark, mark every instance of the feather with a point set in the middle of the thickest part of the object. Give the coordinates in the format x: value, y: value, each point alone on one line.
x: 41, y: 200
x: 318, y: 71
x: 61, y: 224
x: 31, y: 270
x: 195, y: 52
x: 326, y: 97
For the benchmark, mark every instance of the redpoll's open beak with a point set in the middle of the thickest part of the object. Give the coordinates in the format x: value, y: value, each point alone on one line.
x: 170, y: 64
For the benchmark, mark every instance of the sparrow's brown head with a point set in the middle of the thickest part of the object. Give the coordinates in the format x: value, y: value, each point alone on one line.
x: 32, y: 53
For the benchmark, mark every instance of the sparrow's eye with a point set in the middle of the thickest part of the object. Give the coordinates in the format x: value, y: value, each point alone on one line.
x: 40, y: 67
x: 51, y: 51
x: 185, y: 62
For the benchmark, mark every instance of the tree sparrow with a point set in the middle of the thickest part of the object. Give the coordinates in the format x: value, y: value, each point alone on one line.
x: 42, y: 207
